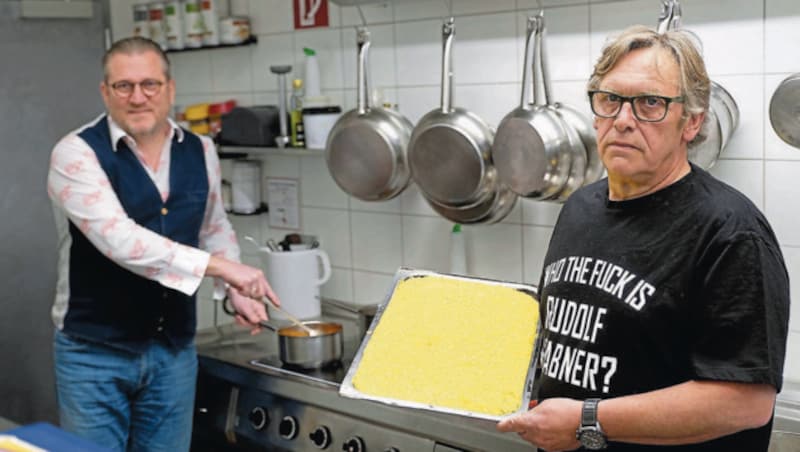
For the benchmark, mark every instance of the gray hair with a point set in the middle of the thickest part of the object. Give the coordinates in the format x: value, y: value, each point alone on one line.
x: 694, y: 82
x: 136, y: 45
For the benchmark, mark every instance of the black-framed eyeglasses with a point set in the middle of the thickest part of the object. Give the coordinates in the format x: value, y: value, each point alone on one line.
x: 125, y: 88
x: 646, y: 107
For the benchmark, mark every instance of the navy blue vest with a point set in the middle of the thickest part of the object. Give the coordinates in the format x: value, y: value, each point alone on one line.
x: 110, y: 304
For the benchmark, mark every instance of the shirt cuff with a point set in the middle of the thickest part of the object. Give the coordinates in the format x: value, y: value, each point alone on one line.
x: 189, y: 267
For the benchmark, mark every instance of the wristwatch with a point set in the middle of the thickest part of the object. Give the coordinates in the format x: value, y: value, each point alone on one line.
x: 589, y: 433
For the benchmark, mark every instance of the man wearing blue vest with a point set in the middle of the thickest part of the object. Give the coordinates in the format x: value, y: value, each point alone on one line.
x: 140, y: 220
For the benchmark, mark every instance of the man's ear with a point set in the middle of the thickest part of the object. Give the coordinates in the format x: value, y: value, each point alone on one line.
x: 692, y: 126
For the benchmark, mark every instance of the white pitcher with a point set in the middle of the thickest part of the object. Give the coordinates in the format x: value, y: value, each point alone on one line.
x: 295, y: 276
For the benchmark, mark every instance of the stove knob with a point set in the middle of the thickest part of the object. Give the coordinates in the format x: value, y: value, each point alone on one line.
x: 288, y: 427
x: 354, y: 444
x: 259, y: 418
x: 321, y: 437
x: 391, y: 449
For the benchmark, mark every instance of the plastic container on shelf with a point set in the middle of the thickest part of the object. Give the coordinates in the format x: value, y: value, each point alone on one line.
x: 197, y: 115
x: 193, y: 27
x: 458, y: 251
x: 173, y: 18
x: 318, y: 122
x: 157, y: 24
x: 312, y: 73
x: 141, y: 20
x: 234, y: 30
x: 208, y: 8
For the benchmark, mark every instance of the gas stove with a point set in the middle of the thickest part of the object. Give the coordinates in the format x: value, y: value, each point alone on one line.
x: 248, y: 400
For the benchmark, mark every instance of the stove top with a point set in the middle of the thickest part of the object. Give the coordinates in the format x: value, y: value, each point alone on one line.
x: 332, y: 374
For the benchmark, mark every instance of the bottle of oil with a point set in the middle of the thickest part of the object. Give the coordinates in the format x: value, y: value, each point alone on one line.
x: 298, y: 138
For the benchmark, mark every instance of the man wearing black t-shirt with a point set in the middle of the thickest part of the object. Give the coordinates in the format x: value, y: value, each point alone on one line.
x: 664, y: 297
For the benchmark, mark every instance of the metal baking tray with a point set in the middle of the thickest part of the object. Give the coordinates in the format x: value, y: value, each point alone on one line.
x: 347, y: 389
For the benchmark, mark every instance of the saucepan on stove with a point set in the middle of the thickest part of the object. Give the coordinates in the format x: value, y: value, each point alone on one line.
x: 298, y: 348
x: 309, y: 351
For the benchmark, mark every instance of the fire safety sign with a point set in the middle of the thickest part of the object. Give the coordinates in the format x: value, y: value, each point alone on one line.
x: 310, y: 13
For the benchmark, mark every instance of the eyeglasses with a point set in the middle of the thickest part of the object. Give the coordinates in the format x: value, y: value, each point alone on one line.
x: 125, y: 88
x: 646, y: 107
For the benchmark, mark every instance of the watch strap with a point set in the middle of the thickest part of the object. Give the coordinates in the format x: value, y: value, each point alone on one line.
x: 589, y: 412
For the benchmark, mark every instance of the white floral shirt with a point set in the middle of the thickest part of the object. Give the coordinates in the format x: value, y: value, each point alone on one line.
x: 81, y: 193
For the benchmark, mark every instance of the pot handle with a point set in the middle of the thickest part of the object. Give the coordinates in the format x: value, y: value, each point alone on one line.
x: 268, y: 326
x: 326, y: 267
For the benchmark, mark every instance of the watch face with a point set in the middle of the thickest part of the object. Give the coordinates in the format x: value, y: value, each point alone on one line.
x: 592, y: 439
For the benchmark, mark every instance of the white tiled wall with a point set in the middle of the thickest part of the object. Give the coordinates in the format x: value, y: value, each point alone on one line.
x: 749, y: 45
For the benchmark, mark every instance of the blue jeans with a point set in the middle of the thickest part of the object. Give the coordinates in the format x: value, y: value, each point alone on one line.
x: 126, y: 401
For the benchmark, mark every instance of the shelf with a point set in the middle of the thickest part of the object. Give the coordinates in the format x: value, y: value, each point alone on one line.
x: 250, y: 41
x: 242, y: 151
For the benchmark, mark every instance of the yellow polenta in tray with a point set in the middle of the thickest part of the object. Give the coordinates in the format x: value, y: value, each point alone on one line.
x: 460, y: 344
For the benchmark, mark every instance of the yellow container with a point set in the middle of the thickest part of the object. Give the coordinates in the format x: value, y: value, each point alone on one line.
x: 197, y: 112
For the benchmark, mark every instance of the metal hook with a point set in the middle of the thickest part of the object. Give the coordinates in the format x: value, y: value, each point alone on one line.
x: 361, y: 13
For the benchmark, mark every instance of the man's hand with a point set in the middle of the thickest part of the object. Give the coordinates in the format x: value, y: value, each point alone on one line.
x: 248, y: 281
x: 551, y: 425
x: 249, y: 312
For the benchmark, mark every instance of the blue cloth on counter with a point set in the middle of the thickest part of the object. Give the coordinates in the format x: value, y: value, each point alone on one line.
x: 52, y: 438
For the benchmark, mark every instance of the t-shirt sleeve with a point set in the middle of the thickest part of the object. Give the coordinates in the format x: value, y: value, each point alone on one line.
x: 740, y: 321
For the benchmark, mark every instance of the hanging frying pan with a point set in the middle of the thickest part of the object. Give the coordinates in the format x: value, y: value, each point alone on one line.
x: 531, y: 149
x: 579, y: 131
x: 722, y: 116
x: 450, y: 148
x: 784, y: 110
x: 366, y: 148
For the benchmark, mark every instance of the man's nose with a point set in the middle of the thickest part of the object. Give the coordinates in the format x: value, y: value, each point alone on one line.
x: 625, y: 116
x: 137, y: 95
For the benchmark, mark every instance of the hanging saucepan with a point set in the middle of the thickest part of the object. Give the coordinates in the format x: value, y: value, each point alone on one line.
x: 784, y: 110
x: 450, y: 151
x: 298, y: 348
x: 722, y: 116
x: 532, y: 151
x: 366, y: 148
x: 579, y: 131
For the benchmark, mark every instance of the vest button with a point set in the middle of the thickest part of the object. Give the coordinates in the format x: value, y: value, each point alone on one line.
x: 164, y: 211
x: 164, y: 295
x: 160, y: 329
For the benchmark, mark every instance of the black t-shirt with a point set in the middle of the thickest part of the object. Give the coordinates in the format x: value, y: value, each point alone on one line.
x: 687, y: 283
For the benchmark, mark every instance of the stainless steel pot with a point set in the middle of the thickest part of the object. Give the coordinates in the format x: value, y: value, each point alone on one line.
x: 366, y: 150
x: 450, y: 148
x: 298, y: 348
x: 532, y: 148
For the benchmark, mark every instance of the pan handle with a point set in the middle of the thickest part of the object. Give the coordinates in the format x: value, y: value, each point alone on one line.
x: 541, y: 52
x: 670, y: 17
x: 448, y: 32
x: 362, y: 90
x: 528, y: 89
